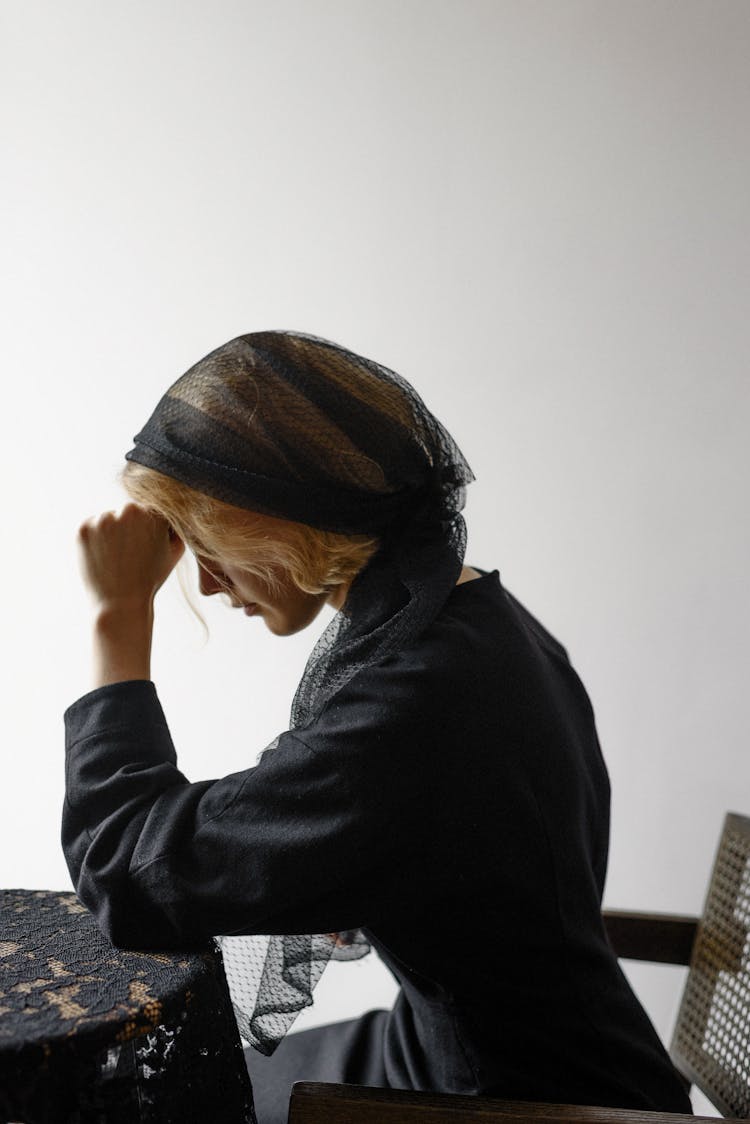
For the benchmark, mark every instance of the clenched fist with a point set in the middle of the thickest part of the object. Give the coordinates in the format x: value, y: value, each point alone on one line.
x: 127, y: 556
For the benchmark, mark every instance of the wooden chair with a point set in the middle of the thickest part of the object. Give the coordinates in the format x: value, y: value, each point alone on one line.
x: 711, y: 1042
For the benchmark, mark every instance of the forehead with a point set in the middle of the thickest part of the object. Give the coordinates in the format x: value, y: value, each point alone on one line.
x: 235, y: 538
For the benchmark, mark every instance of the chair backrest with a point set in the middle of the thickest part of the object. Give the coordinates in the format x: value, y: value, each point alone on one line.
x: 711, y: 1041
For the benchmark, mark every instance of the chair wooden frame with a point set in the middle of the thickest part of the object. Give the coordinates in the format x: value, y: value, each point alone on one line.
x: 318, y: 1103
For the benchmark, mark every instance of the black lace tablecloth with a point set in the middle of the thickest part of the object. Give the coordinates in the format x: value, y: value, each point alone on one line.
x: 90, y: 1034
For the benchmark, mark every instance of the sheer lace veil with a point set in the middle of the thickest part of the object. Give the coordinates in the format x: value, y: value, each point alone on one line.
x: 291, y: 425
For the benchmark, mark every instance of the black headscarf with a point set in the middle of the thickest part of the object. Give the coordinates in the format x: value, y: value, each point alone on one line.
x: 290, y: 425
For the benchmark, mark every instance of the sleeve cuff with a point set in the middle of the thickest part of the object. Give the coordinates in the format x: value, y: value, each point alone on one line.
x: 124, y: 689
x: 131, y: 707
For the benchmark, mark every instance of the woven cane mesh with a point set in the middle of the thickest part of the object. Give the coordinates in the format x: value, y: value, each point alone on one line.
x: 711, y: 1043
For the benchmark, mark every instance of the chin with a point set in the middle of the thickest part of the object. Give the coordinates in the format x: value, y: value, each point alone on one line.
x: 284, y: 628
x: 289, y: 626
x: 293, y: 618
x: 276, y: 630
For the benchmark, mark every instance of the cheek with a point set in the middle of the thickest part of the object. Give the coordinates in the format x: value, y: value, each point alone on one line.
x: 247, y: 585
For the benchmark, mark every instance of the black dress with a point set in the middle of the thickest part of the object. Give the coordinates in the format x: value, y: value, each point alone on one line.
x: 451, y: 801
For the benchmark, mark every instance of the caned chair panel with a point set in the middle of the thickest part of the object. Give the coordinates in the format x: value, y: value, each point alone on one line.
x: 711, y: 1041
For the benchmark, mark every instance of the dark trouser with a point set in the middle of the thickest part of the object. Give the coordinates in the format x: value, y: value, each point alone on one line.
x: 348, y: 1052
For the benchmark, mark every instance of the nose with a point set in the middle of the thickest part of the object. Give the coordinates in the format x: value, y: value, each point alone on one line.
x: 208, y: 583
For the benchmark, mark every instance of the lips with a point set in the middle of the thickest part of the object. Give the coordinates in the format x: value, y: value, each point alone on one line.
x: 249, y: 610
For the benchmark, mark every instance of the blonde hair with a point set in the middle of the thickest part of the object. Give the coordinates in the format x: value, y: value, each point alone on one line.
x: 270, y: 548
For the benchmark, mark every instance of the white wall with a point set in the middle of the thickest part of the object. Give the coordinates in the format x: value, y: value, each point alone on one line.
x: 534, y: 209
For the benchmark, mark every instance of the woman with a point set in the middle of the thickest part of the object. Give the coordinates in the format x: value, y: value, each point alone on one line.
x: 440, y: 788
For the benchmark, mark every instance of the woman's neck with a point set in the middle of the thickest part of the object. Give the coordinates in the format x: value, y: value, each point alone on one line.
x: 338, y: 596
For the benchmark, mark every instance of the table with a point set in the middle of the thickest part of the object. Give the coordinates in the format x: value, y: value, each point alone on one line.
x: 90, y: 1034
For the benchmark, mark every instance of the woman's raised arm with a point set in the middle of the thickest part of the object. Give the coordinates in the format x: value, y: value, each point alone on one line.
x: 300, y: 843
x: 125, y: 559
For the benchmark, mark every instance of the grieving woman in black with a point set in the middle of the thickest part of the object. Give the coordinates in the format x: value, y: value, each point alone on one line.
x: 440, y: 793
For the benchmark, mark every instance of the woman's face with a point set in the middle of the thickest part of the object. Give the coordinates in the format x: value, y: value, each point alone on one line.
x: 284, y: 612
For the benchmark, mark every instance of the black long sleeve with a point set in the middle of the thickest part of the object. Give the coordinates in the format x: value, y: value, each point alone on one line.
x: 294, y: 844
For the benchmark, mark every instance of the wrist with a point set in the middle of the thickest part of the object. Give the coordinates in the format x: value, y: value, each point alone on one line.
x: 122, y: 641
x: 121, y: 611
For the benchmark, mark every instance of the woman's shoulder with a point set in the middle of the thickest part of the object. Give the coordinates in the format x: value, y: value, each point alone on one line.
x: 464, y: 632
x: 479, y: 628
x: 481, y: 618
x: 481, y: 662
x: 460, y: 647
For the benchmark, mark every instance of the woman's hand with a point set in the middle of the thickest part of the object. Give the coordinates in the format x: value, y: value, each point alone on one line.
x: 125, y: 559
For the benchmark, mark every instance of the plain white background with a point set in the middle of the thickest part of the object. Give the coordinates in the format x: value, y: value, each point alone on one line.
x: 536, y: 210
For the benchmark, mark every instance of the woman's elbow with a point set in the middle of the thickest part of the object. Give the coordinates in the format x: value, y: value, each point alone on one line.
x: 130, y: 919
